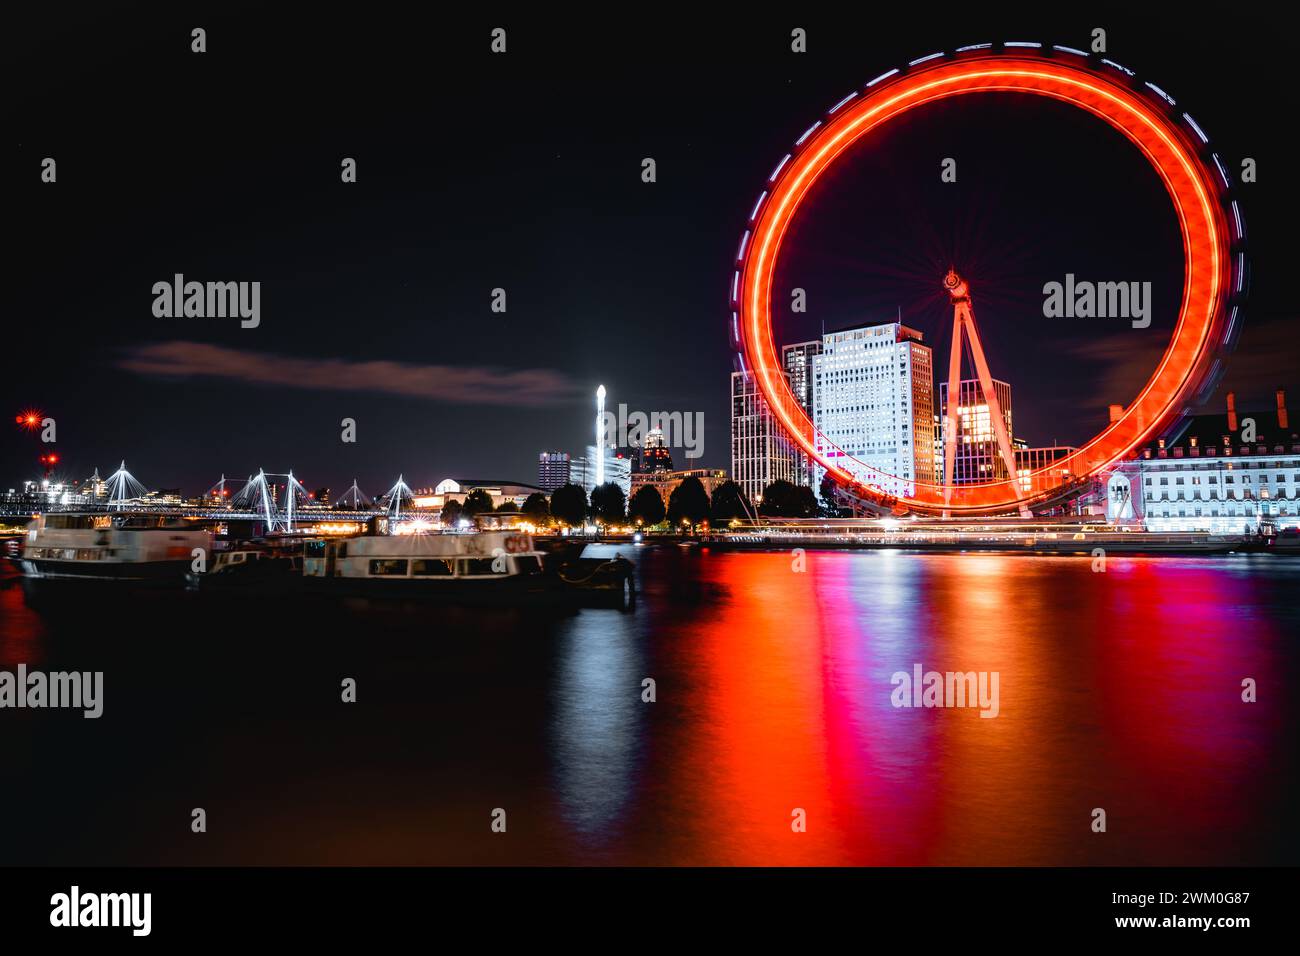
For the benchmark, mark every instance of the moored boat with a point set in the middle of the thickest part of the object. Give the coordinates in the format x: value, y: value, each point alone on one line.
x: 499, y: 567
x: 112, y: 547
x: 494, y: 566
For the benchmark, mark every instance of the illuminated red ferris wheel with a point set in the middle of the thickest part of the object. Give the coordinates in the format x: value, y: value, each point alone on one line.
x: 1209, y: 220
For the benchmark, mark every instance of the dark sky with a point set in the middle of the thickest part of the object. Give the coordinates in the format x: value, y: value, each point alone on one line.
x: 522, y: 172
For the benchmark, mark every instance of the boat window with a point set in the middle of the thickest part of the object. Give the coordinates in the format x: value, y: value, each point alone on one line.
x: 66, y: 522
x: 479, y: 566
x: 527, y: 564
x: 431, y: 567
x: 315, y: 549
x: 388, y: 566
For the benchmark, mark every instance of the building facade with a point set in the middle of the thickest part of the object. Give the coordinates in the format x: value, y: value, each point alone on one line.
x: 552, y: 470
x: 1211, y: 479
x: 797, y: 359
x: 655, y: 453
x: 1030, y: 460
x: 458, y: 489
x: 976, y: 457
x: 666, y: 482
x: 760, y: 451
x: 873, y: 406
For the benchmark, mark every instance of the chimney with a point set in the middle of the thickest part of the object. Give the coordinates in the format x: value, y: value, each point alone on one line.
x: 1116, y: 412
x: 1232, y: 412
x: 1281, y: 410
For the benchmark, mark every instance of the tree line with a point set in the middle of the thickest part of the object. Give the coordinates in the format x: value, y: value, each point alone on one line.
x: 688, y: 505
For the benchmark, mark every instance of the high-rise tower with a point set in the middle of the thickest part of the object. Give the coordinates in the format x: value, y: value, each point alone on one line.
x: 600, y: 436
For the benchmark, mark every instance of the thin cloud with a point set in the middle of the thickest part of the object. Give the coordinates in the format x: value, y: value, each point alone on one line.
x: 1265, y: 359
x: 1123, y: 363
x: 438, y: 383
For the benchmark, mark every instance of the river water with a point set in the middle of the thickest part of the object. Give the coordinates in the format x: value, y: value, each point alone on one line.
x: 774, y: 695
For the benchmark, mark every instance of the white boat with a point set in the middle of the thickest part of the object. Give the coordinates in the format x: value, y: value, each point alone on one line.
x: 112, y: 547
x: 445, y: 561
x: 489, y: 565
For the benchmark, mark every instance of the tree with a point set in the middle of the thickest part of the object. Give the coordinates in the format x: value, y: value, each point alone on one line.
x: 807, y: 502
x: 783, y: 499
x: 647, y: 505
x: 830, y: 496
x: 607, y: 501
x: 477, y: 502
x: 537, y: 509
x: 729, y: 502
x: 452, y: 512
x: 689, y: 502
x: 569, y: 505
x: 508, y: 505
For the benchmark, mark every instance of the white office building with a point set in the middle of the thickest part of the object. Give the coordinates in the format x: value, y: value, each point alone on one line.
x: 873, y: 403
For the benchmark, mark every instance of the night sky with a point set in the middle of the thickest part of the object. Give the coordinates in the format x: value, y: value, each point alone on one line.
x: 522, y: 171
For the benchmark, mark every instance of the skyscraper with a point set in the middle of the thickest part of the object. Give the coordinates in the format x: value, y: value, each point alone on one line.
x: 976, y: 456
x: 873, y: 405
x: 760, y: 451
x: 600, y: 436
x: 797, y: 360
x: 655, y: 453
x: 552, y: 470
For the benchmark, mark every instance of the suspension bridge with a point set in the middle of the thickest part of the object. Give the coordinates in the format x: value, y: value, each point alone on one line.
x: 278, y: 500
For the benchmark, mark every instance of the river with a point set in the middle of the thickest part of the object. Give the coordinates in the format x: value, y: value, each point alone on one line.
x: 773, y: 736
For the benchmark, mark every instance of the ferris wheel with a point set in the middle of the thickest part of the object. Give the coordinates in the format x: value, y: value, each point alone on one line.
x: 1214, y: 254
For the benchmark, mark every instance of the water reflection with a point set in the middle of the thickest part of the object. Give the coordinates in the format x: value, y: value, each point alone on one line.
x: 21, y: 629
x: 1119, y: 690
x: 598, y: 725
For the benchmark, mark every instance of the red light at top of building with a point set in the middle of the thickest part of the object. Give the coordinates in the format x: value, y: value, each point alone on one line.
x: 29, y: 418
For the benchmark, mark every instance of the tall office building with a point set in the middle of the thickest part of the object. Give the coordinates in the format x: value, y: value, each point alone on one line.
x: 873, y: 403
x: 552, y: 470
x: 655, y: 453
x: 760, y: 451
x: 797, y: 360
x: 976, y: 457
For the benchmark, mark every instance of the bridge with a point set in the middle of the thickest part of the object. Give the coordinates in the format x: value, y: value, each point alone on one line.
x: 257, y: 500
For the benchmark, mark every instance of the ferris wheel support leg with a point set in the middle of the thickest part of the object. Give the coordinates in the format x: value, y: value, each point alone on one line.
x: 950, y: 413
